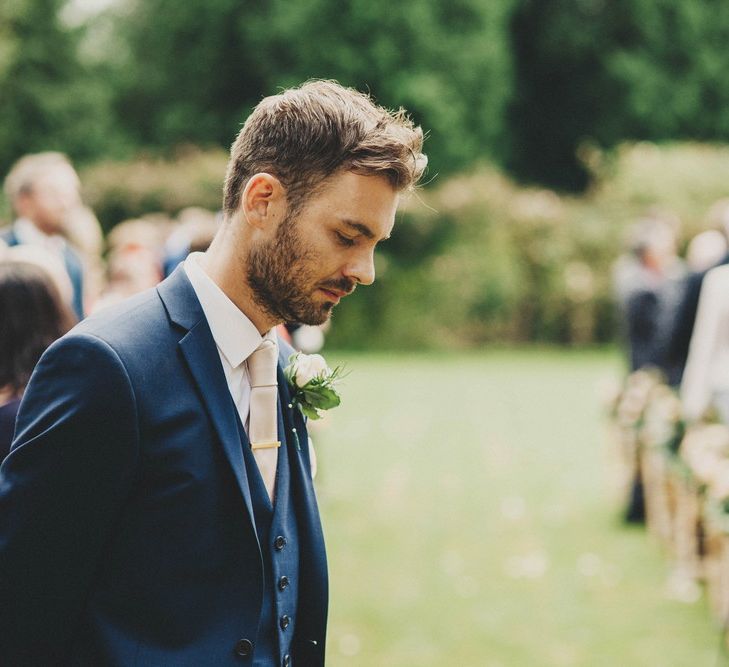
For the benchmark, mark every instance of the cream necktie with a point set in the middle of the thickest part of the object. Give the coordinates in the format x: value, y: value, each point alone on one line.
x: 263, y: 419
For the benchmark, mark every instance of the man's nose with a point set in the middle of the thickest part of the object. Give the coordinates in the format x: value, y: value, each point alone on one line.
x: 362, y: 269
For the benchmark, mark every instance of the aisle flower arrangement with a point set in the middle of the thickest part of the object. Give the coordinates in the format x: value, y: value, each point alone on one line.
x: 685, y: 476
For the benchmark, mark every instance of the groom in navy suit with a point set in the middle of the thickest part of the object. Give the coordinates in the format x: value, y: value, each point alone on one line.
x: 157, y: 506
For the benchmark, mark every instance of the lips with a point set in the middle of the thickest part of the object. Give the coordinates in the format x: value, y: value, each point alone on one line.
x: 335, y: 292
x: 332, y: 295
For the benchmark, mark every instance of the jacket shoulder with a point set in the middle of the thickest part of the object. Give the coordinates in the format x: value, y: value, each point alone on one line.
x: 136, y: 322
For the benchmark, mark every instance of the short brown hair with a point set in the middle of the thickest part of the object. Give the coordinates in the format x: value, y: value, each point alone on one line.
x: 305, y: 134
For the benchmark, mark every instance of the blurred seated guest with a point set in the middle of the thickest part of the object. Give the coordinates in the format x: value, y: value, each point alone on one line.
x: 32, y: 316
x: 149, y: 231
x: 134, y: 262
x: 705, y: 381
x: 43, y: 189
x: 195, y: 230
x: 130, y: 269
x: 648, y: 284
x: 682, y: 326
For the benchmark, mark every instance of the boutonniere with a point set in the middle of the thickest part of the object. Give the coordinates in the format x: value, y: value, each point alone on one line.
x: 313, y: 383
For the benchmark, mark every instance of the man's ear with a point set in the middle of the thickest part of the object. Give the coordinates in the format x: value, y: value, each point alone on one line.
x: 264, y: 200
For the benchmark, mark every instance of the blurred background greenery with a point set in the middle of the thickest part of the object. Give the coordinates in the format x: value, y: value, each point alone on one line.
x: 552, y: 127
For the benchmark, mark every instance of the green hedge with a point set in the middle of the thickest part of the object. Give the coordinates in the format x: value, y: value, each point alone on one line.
x: 476, y: 258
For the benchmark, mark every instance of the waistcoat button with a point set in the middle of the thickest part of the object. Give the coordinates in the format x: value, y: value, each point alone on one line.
x: 285, y: 620
x: 283, y: 583
x: 279, y: 543
x: 244, y: 648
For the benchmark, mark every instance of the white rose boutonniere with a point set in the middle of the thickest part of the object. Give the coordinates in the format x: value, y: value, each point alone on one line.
x: 313, y: 383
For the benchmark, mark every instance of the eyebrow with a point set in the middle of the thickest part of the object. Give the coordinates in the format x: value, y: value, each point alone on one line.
x: 362, y: 229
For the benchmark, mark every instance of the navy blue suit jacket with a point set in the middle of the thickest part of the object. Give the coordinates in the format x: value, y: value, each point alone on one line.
x: 126, y: 531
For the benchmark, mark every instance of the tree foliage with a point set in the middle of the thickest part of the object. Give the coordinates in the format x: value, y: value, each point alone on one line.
x: 48, y: 99
x: 608, y: 71
x: 194, y: 76
x: 522, y: 83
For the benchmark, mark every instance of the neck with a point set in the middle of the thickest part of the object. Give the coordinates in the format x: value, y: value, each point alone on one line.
x: 228, y: 271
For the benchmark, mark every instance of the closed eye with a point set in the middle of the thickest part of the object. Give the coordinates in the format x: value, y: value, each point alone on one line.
x: 344, y: 240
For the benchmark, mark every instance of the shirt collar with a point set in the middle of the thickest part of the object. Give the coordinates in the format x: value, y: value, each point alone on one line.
x: 234, y: 334
x: 28, y: 234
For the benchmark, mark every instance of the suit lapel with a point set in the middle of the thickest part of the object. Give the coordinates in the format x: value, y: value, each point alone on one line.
x: 202, y: 358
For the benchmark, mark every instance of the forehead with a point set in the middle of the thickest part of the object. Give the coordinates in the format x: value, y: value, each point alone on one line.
x: 370, y: 200
x: 61, y: 178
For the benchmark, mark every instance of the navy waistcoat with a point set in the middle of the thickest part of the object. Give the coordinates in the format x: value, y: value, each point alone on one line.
x: 278, y: 537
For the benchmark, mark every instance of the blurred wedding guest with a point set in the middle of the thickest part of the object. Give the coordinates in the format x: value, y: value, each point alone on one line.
x: 705, y: 382
x: 32, y: 316
x: 84, y: 233
x: 134, y: 262
x: 149, y: 231
x: 195, y: 230
x: 131, y: 269
x: 683, y: 323
x: 46, y: 260
x: 648, y: 288
x: 43, y: 189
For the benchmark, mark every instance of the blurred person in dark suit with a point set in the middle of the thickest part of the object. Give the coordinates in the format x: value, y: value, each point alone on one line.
x: 648, y: 283
x: 32, y: 316
x: 157, y: 506
x: 44, y: 189
x: 648, y: 288
x: 682, y: 325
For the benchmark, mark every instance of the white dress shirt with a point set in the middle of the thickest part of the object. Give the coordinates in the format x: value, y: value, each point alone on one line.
x: 27, y: 233
x: 235, y: 335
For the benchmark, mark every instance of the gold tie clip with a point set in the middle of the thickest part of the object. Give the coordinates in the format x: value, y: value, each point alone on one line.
x: 266, y: 445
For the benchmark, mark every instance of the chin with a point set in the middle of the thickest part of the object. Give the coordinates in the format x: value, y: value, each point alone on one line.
x: 316, y: 316
x: 316, y: 320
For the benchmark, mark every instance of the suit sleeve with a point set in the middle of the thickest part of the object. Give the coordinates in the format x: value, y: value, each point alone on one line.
x: 70, y: 467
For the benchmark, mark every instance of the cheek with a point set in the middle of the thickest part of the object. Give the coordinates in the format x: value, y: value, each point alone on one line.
x: 48, y: 207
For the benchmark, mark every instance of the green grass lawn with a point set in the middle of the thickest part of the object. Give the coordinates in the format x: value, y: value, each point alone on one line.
x: 471, y: 520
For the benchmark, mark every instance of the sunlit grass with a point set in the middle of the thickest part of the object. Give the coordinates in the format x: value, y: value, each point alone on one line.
x: 470, y: 520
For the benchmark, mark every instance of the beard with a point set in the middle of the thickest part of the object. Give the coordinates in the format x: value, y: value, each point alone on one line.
x: 282, y: 277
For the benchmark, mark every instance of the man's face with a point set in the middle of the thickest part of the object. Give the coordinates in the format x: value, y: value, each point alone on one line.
x: 321, y: 253
x: 53, y: 195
